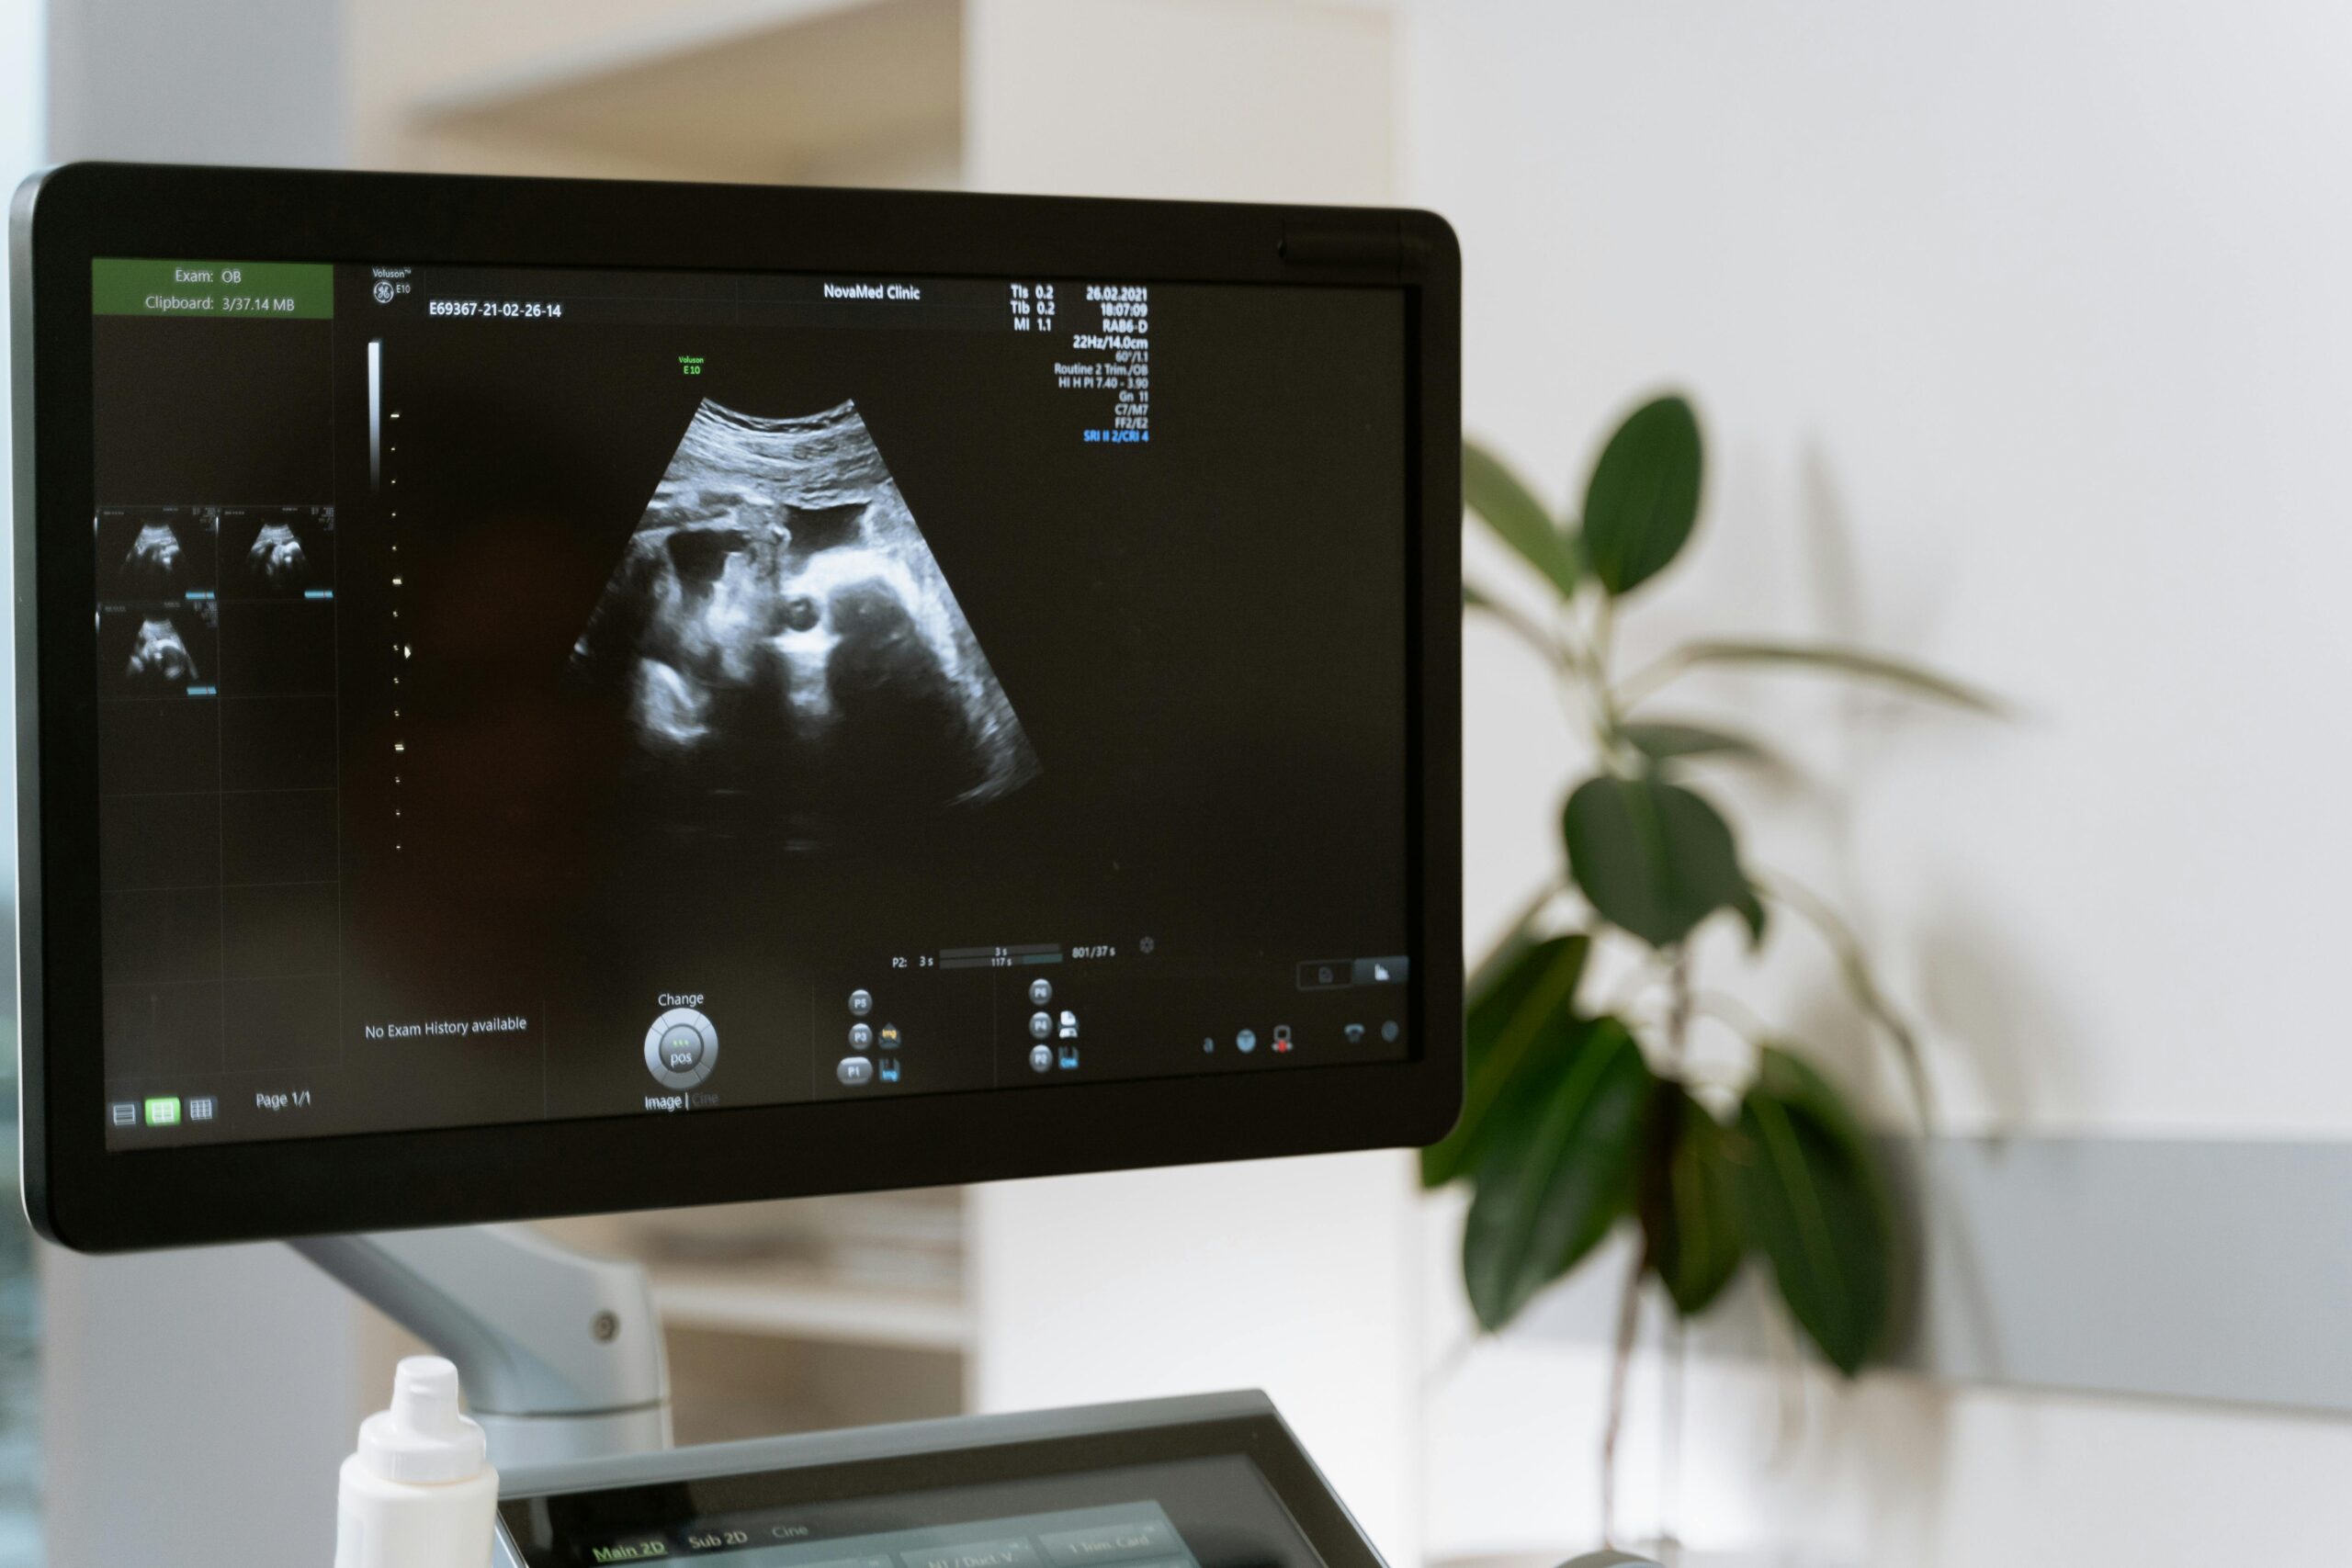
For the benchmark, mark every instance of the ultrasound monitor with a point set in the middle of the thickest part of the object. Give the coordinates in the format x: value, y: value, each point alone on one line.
x: 539, y: 698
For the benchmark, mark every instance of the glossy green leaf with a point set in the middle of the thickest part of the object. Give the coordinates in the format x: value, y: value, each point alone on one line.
x: 1506, y: 1002
x: 1557, y: 1170
x: 1654, y: 858
x: 1837, y: 660
x: 1814, y: 1204
x: 1491, y: 491
x: 1521, y: 1022
x: 1782, y: 1072
x: 1689, y: 1205
x: 1643, y: 499
x: 1498, y: 1088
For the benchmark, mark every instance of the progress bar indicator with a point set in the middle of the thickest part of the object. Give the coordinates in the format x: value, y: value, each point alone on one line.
x: 1016, y: 956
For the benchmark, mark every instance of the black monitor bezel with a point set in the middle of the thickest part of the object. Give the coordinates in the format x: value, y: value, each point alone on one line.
x: 82, y: 1196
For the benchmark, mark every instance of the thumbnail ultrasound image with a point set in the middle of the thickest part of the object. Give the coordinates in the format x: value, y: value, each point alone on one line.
x: 276, y: 553
x: 157, y: 651
x: 155, y: 554
x: 781, y: 635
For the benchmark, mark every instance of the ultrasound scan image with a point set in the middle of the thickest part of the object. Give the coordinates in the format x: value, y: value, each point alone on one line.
x: 154, y: 555
x: 276, y: 557
x: 154, y: 652
x: 159, y: 656
x: 274, y: 554
x: 779, y: 632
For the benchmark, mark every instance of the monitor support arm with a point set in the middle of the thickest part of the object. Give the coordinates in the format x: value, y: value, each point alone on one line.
x: 561, y: 1353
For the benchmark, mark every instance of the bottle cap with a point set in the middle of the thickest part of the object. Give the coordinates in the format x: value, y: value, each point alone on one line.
x: 422, y: 1439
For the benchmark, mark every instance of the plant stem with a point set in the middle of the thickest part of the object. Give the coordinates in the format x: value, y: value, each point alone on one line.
x: 1677, y: 1362
x: 1678, y: 1009
x: 1862, y: 982
x: 1526, y: 630
x: 1577, y: 664
x: 1607, y: 718
x: 1629, y: 1307
x: 1585, y: 670
x: 1643, y: 683
x: 1735, y: 1015
x: 1576, y: 696
x: 1620, y: 1371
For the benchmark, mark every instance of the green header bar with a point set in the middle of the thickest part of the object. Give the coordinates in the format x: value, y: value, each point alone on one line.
x: 302, y: 291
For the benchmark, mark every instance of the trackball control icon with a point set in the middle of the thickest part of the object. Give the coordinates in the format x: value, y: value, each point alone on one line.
x: 682, y: 1048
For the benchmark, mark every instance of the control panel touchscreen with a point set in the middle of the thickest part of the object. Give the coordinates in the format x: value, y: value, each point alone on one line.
x: 1196, y: 1513
x: 545, y: 695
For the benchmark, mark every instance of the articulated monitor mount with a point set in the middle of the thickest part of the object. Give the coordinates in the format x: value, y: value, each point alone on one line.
x: 561, y: 1353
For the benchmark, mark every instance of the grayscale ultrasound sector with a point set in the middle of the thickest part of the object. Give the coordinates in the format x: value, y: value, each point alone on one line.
x: 276, y: 557
x: 160, y: 655
x: 781, y: 627
x: 155, y: 559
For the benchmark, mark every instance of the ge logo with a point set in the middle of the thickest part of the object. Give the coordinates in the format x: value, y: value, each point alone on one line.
x: 383, y: 292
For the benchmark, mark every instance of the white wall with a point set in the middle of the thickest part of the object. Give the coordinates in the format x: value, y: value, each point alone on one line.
x: 1226, y: 100
x: 189, y: 82
x: 24, y: 99
x: 2020, y: 332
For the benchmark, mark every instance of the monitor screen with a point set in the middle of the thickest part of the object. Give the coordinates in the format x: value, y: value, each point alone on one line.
x: 549, y: 692
x: 552, y: 696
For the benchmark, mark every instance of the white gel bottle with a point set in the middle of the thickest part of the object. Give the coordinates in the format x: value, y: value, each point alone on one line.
x: 420, y: 1493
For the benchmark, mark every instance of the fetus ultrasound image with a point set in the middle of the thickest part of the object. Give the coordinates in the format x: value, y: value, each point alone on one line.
x: 779, y: 632
x: 281, y: 554
x: 165, y: 553
x: 156, y: 652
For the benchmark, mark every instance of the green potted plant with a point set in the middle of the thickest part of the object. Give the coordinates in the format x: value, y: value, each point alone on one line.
x: 1579, y: 1116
